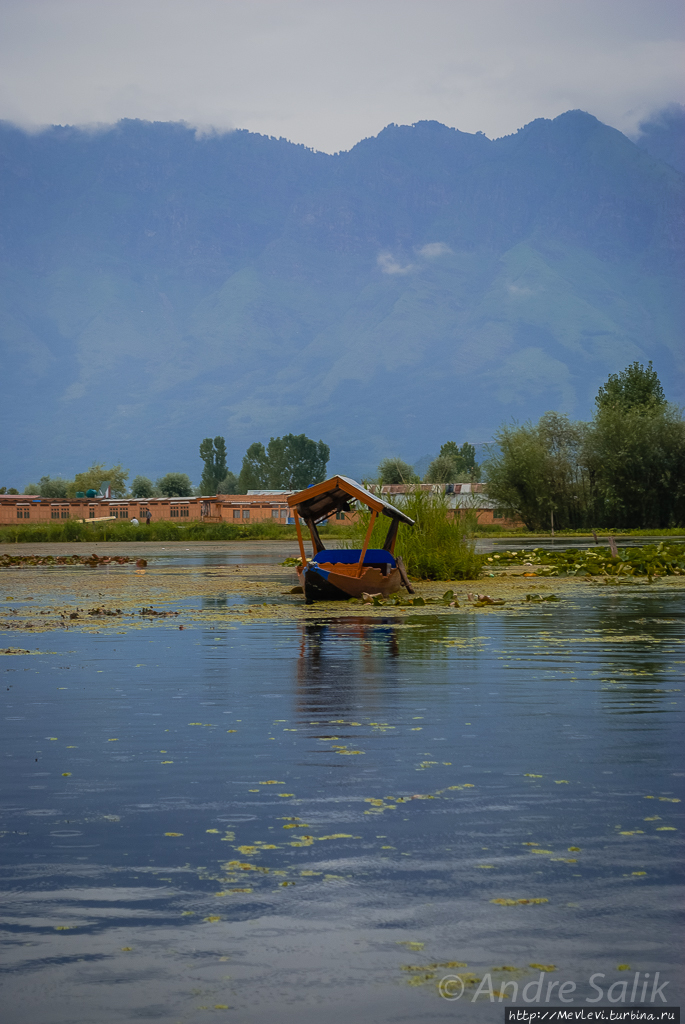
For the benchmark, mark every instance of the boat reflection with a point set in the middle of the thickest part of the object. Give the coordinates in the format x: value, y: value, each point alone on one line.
x: 338, y: 664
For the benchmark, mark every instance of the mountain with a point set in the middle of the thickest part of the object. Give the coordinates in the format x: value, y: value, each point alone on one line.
x: 158, y: 287
x: 663, y: 135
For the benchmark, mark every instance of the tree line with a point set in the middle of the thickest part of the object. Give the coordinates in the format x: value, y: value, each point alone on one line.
x: 288, y: 463
x: 291, y: 462
x: 453, y: 465
x: 624, y: 469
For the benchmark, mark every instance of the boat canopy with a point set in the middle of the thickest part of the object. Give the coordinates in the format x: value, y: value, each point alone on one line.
x: 321, y: 500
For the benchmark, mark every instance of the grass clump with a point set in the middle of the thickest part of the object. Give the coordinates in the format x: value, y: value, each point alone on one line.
x: 439, y: 546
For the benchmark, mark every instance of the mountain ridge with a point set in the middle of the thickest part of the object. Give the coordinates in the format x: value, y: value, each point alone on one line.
x: 424, y: 285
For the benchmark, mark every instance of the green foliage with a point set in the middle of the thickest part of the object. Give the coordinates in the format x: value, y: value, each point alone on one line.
x: 13, y: 490
x: 439, y: 546
x: 213, y: 454
x: 625, y: 469
x: 96, y: 476
x: 454, y: 464
x: 442, y: 470
x: 535, y: 471
x: 253, y: 474
x: 162, y: 530
x: 295, y: 461
x: 175, y: 485
x: 50, y: 488
x: 291, y: 462
x: 632, y: 388
x: 142, y: 487
x: 635, y: 459
x: 229, y: 484
x: 396, y: 471
x: 651, y: 560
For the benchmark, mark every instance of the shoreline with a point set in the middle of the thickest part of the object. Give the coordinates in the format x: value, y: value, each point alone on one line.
x: 118, y: 598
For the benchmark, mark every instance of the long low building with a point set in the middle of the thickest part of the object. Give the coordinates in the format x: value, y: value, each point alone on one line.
x: 253, y: 507
x: 234, y: 508
x: 460, y: 498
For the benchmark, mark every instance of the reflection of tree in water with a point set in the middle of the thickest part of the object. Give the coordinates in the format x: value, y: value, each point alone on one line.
x: 338, y: 666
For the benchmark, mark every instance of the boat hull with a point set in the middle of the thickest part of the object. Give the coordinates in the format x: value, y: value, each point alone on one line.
x: 321, y: 584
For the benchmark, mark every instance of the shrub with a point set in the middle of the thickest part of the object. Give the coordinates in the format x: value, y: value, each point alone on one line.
x: 396, y: 471
x: 175, y: 485
x: 142, y: 487
x: 440, y: 546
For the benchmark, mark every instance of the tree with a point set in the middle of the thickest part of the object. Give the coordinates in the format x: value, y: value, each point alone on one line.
x: 296, y: 461
x: 396, y: 471
x: 51, y: 488
x: 454, y: 464
x: 142, y: 487
x: 229, y: 485
x: 175, y: 485
x: 624, y: 469
x: 635, y: 456
x: 213, y: 454
x: 442, y: 470
x: 291, y: 463
x: 253, y: 475
x: 632, y: 388
x: 536, y: 471
x: 94, y: 477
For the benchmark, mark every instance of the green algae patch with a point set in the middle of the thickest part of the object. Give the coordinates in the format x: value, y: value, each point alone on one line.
x: 118, y: 596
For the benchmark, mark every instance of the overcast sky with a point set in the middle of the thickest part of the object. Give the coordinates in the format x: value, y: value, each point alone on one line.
x: 328, y: 73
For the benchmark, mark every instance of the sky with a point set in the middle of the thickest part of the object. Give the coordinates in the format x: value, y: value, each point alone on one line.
x: 327, y: 73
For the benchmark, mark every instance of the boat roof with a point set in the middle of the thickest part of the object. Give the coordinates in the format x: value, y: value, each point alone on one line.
x: 320, y: 500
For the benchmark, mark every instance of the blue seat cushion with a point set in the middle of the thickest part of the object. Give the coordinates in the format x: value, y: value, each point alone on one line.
x: 374, y: 556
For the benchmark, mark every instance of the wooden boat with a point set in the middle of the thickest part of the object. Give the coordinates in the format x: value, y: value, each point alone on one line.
x: 337, y: 574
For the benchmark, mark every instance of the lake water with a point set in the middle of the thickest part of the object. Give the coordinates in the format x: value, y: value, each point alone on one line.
x: 291, y: 821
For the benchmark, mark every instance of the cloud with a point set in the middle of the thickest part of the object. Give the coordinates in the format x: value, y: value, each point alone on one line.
x: 389, y: 265
x: 434, y: 249
x: 329, y: 74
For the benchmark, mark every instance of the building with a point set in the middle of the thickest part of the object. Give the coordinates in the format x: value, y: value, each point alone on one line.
x: 461, y: 498
x: 254, y: 507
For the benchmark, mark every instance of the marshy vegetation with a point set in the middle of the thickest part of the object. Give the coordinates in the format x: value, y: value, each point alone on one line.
x: 122, y: 532
x: 651, y: 560
x: 163, y: 530
x: 440, y: 546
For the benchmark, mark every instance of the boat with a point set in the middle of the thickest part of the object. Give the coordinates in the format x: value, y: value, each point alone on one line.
x: 337, y: 574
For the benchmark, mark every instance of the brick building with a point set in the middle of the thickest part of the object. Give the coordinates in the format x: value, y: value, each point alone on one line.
x: 253, y: 507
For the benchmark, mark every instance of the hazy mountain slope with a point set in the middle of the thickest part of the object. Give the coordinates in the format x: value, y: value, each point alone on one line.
x: 663, y: 135
x: 156, y: 288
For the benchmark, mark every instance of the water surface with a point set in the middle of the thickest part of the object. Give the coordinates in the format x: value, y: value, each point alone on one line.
x: 305, y: 821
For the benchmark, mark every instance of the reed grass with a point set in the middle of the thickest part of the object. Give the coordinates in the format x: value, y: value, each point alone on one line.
x: 439, y: 546
x: 69, y: 530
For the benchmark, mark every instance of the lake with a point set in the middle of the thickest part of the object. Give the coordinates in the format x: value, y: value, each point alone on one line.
x: 323, y: 819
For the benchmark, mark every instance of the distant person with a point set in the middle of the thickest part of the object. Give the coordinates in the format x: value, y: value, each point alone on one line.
x: 148, y: 517
x: 134, y: 522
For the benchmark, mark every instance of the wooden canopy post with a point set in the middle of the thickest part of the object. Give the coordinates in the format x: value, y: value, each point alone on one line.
x: 391, y: 536
x: 299, y: 536
x: 374, y: 514
x: 317, y: 543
